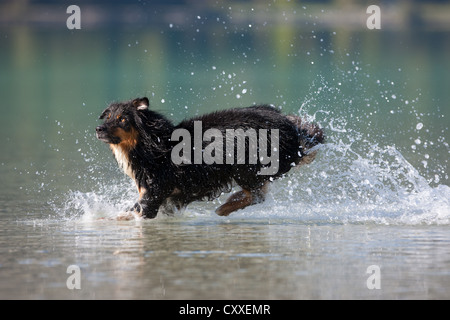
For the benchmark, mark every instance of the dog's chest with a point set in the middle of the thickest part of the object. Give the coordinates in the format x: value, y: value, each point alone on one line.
x: 123, y: 161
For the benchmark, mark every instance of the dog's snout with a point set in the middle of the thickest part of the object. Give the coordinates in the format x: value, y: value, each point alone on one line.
x: 102, y: 133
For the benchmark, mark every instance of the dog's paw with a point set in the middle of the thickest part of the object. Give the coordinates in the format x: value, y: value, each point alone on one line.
x: 129, y: 215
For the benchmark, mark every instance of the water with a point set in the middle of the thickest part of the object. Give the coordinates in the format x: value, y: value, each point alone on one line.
x: 377, y: 194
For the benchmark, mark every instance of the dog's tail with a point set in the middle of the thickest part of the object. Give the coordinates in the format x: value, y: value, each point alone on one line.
x: 310, y: 139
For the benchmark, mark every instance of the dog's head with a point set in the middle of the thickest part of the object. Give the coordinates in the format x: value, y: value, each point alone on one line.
x: 119, y: 126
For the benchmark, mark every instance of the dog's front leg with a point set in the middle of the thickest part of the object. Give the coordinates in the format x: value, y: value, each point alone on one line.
x: 146, y: 209
x: 149, y: 203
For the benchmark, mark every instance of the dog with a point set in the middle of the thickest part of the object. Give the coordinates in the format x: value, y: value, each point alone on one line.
x: 171, y: 172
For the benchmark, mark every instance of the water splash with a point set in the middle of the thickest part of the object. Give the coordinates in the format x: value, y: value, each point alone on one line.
x: 353, y: 180
x: 359, y: 176
x: 351, y: 186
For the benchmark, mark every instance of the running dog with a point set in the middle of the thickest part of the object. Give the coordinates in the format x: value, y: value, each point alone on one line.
x: 217, y: 150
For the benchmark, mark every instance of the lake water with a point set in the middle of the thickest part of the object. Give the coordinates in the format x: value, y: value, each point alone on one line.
x: 377, y: 194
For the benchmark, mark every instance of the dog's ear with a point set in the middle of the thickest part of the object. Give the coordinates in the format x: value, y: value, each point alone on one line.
x: 141, y: 103
x: 103, y: 115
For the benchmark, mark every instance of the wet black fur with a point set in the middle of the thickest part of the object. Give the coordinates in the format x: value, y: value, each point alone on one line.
x: 169, y: 185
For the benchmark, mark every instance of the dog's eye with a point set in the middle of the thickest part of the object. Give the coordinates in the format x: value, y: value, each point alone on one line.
x: 120, y: 118
x: 109, y: 116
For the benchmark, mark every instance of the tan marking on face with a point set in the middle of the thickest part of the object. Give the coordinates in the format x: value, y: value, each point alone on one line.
x: 128, y: 139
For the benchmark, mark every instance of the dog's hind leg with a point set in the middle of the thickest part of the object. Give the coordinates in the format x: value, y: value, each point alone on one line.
x: 242, y: 199
x: 236, y: 201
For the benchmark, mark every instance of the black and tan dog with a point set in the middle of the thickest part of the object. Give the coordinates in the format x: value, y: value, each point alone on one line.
x: 144, y: 144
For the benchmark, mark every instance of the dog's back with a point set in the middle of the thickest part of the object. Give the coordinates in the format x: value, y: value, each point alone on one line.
x: 296, y: 138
